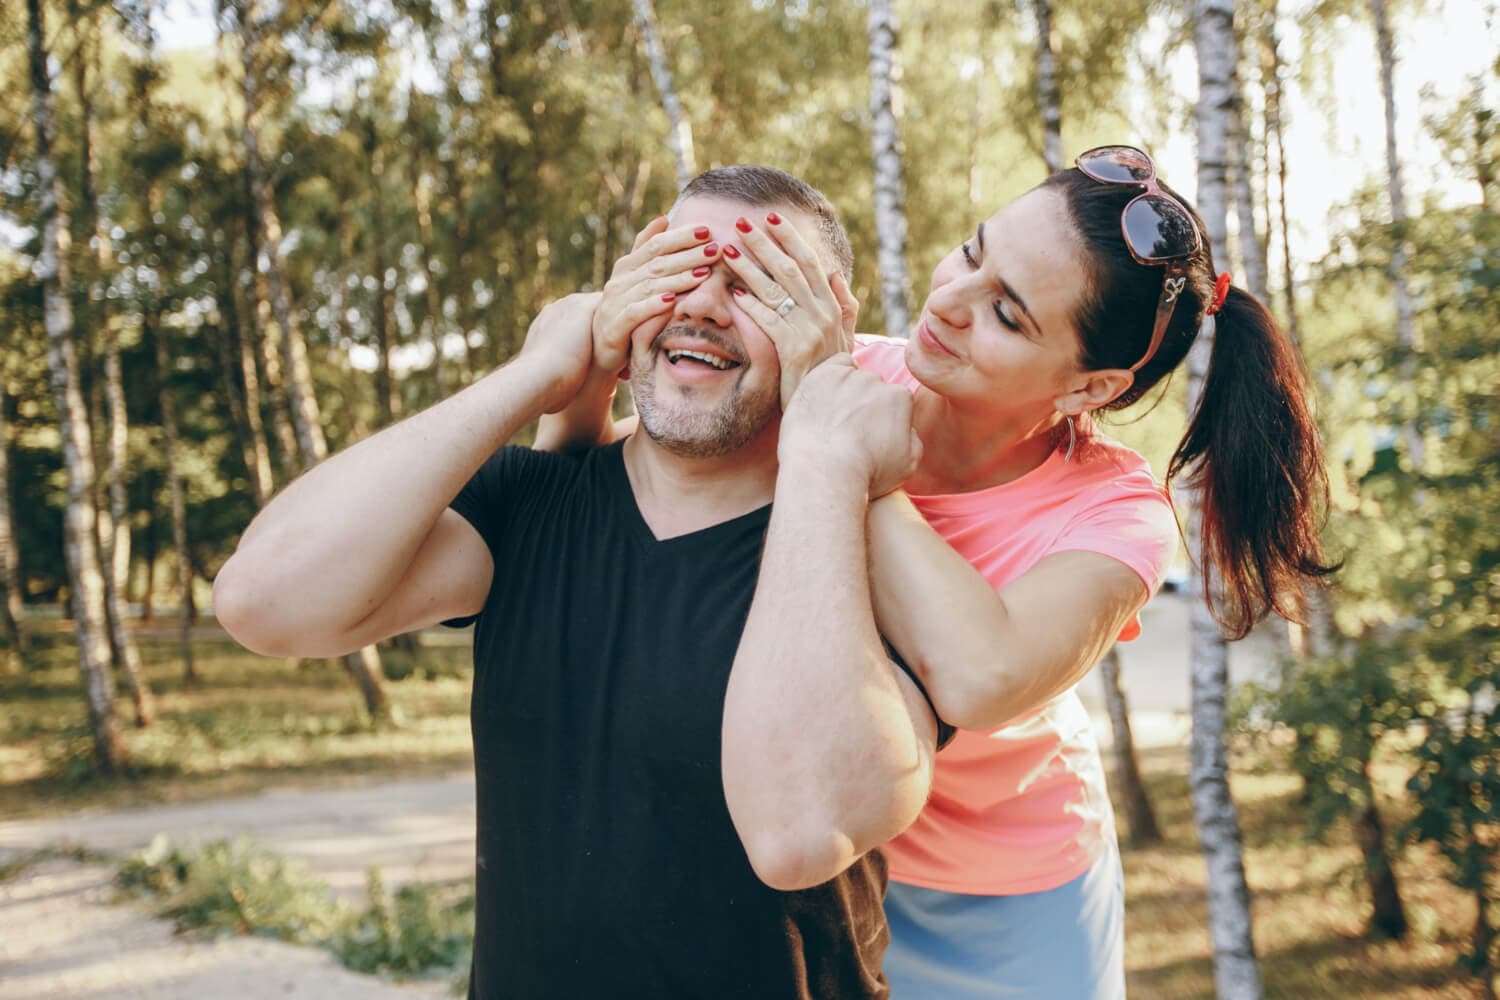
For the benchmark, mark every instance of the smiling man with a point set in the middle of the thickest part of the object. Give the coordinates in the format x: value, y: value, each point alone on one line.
x: 610, y: 590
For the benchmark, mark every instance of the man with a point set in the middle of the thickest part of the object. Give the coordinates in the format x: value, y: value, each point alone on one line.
x: 611, y: 590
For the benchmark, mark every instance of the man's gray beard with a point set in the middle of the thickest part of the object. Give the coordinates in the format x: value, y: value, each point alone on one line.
x: 737, y: 421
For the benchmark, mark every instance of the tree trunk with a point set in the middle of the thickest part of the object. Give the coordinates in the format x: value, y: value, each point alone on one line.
x: 422, y: 197
x: 1273, y: 91
x: 1049, y: 101
x: 890, y: 213
x: 387, y: 400
x: 185, y: 610
x: 364, y: 665
x: 1408, y: 337
x: 52, y: 270
x: 1139, y: 814
x: 1388, y: 916
x: 1252, y: 247
x: 680, y: 137
x: 113, y: 528
x: 1236, y: 971
x: 11, y: 610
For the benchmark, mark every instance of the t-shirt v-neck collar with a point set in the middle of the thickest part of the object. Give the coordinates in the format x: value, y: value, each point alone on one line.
x: 640, y: 529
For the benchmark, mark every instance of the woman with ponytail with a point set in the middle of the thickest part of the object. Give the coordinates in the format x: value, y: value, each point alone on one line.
x: 1081, y: 296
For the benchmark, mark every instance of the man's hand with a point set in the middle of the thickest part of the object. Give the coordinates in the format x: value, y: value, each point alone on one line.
x: 808, y: 315
x: 560, y: 340
x: 851, y: 423
x: 663, y: 264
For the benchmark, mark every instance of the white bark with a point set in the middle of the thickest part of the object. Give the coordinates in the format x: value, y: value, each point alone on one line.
x: 1252, y: 246
x: 890, y: 213
x: 1274, y: 134
x: 680, y: 136
x: 1236, y: 973
x: 179, y: 500
x: 1049, y: 101
x: 10, y: 574
x: 364, y: 665
x: 52, y: 271
x: 1408, y: 337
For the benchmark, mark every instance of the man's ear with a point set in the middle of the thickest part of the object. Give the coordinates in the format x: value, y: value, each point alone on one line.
x: 1091, y: 390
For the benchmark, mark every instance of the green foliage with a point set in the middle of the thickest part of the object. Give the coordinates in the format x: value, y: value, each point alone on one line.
x: 240, y: 888
x: 234, y: 887
x: 419, y: 931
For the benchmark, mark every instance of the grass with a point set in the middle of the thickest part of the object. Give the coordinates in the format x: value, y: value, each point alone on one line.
x: 1310, y: 901
x: 252, y: 722
x: 248, y: 722
x: 238, y: 887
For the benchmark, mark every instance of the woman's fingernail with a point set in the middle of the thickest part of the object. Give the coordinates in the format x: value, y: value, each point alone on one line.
x: 732, y: 252
x: 711, y: 249
x: 701, y: 271
x: 773, y: 219
x: 742, y: 224
x: 701, y: 233
x: 669, y: 297
x: 624, y: 375
x: 738, y: 290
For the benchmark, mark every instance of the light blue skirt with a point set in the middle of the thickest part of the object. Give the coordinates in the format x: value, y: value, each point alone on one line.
x: 1066, y: 943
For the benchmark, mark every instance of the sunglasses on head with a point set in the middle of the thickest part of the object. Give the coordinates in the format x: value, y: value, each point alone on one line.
x: 1157, y: 227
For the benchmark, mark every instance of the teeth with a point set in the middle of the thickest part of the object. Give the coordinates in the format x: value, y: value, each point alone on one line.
x: 709, y: 359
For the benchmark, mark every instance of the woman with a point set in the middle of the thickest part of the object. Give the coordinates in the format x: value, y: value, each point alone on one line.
x: 1081, y: 295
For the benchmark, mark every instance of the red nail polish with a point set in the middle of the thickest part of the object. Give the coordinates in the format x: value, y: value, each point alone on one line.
x: 701, y: 271
x: 669, y: 297
x: 773, y: 219
x: 624, y: 375
x: 738, y: 290
x: 711, y: 249
x: 701, y: 233
x: 742, y: 224
x: 732, y: 252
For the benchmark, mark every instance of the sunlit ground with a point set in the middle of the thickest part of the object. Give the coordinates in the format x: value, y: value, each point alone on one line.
x: 252, y: 722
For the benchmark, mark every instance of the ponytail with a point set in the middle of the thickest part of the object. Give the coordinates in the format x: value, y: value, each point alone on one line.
x: 1253, y: 451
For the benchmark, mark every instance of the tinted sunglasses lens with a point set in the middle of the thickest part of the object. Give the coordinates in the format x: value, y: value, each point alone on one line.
x: 1157, y: 228
x: 1117, y: 164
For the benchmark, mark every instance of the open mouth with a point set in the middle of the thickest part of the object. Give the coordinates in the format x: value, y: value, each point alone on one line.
x: 695, y: 358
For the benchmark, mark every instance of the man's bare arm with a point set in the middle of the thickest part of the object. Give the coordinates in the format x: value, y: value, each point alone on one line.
x: 363, y: 546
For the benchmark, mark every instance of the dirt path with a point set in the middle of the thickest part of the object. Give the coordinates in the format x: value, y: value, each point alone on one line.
x: 64, y: 937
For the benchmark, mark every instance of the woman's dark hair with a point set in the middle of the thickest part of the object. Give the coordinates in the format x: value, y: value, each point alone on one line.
x: 1251, y: 446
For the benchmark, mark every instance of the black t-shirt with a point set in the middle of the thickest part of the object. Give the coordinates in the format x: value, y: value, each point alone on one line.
x: 607, y: 863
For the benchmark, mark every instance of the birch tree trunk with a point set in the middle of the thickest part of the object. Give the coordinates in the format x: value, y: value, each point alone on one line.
x: 1242, y: 159
x: 1408, y: 338
x: 680, y: 137
x: 10, y: 576
x: 114, y: 540
x: 363, y: 665
x: 52, y: 271
x: 385, y: 384
x: 1049, y: 101
x: 422, y: 183
x: 179, y: 501
x: 890, y: 197
x: 1273, y: 89
x: 1139, y: 814
x: 1236, y: 972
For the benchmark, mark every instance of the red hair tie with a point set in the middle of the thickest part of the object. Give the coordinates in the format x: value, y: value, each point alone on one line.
x: 1221, y: 292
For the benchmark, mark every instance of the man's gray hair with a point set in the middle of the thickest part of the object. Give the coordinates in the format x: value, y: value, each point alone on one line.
x: 770, y: 187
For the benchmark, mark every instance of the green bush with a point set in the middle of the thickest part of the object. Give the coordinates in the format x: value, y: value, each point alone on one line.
x: 421, y: 930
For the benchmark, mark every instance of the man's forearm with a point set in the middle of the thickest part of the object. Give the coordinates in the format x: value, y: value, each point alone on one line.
x: 827, y: 750
x: 333, y: 545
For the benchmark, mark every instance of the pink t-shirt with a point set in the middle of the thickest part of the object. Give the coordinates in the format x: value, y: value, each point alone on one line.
x: 1024, y: 808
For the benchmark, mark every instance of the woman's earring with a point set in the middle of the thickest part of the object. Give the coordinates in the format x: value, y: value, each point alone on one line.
x: 1072, y: 438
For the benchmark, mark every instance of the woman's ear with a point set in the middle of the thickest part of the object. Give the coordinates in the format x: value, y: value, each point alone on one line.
x: 1093, y: 390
